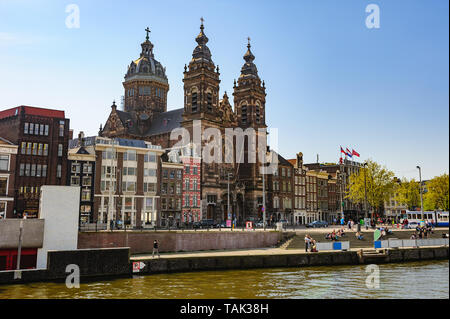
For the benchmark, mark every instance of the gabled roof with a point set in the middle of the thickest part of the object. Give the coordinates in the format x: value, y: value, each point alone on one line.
x: 4, y: 140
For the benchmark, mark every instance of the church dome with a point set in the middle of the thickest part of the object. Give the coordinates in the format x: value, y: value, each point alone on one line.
x: 249, y: 69
x: 146, y: 66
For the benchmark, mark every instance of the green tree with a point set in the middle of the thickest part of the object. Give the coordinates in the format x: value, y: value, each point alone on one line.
x: 437, y: 196
x: 379, y: 185
x: 408, y: 192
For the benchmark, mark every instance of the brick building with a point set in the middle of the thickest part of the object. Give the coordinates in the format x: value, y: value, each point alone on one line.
x: 299, y: 189
x: 281, y: 192
x: 191, y: 205
x: 81, y: 165
x: 42, y: 136
x: 171, y: 188
x: 8, y: 154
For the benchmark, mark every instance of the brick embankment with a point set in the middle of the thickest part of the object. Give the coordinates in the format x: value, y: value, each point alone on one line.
x: 299, y: 241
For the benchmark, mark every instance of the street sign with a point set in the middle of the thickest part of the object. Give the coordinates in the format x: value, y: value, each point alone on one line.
x: 138, y: 266
x: 228, y: 222
x: 248, y: 225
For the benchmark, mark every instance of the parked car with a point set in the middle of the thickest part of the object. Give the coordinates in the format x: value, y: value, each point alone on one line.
x: 413, y: 225
x: 259, y: 224
x: 317, y: 224
x: 222, y: 225
x: 204, y: 223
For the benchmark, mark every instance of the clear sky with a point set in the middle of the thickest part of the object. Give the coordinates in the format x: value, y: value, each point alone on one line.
x: 330, y: 80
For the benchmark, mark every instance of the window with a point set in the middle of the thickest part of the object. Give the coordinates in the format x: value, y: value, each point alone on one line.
x: 60, y: 150
x: 46, y: 130
x: 186, y: 184
x: 165, y: 173
x: 75, y: 181
x: 27, y: 169
x: 40, y: 149
x: 128, y: 186
x: 195, y: 170
x: 86, y: 181
x: 4, y: 162
x: 179, y: 174
x: 33, y: 170
x: 36, y: 129
x: 34, y: 150
x: 149, y: 172
x: 45, y: 149
x: 75, y: 168
x: 3, y: 183
x: 149, y: 203
x: 187, y: 170
x: 25, y: 128
x: 244, y: 113
x: 186, y: 200
x: 172, y: 174
x: 178, y: 188
x: 209, y: 101
x: 194, y: 200
x: 29, y: 148
x: 23, y: 148
x: 194, y: 185
x: 164, y: 188
x: 194, y: 102
x: 150, y: 157
x: 149, y: 187
x: 44, y: 170
x: 58, y: 171
x: 31, y: 130
x: 61, y: 128
x: 86, y: 195
x: 87, y: 168
x: 129, y: 156
x: 22, y: 170
x: 41, y: 129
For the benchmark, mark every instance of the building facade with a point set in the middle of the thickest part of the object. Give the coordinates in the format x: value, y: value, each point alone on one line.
x: 42, y: 136
x: 145, y: 117
x: 81, y: 165
x: 171, y: 189
x: 8, y: 154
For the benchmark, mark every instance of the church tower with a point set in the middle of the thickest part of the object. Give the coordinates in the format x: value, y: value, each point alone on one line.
x: 250, y: 95
x: 250, y: 104
x: 145, y: 85
x: 201, y: 83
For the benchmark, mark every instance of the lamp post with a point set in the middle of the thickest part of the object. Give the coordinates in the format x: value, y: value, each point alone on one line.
x: 228, y: 194
x: 421, y: 192
x: 365, y: 196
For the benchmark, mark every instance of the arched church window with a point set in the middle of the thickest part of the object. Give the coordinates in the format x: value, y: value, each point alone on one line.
x: 209, y: 100
x: 244, y: 113
x: 194, y: 102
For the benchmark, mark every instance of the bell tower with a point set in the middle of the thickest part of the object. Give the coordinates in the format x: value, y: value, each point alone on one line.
x: 250, y: 95
x: 201, y: 83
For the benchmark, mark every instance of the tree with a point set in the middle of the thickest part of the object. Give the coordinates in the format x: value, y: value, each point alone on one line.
x: 379, y: 185
x: 437, y: 196
x: 408, y: 192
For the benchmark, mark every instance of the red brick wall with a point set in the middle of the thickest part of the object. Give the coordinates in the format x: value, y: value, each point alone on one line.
x: 142, y: 242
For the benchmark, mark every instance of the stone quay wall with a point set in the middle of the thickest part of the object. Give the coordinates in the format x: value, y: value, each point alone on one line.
x: 178, y: 241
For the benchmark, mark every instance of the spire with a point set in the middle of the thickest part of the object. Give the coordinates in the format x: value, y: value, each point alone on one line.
x: 202, y: 51
x: 249, y: 68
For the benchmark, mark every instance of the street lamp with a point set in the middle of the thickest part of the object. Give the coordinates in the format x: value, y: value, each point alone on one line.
x: 365, y: 194
x: 421, y: 192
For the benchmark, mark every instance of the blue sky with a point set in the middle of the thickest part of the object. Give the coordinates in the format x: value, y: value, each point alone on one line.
x: 330, y: 80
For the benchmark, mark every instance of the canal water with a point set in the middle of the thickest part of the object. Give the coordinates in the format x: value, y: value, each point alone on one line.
x: 429, y: 279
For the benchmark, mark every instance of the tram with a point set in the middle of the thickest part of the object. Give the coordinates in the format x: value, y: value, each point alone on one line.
x: 438, y: 218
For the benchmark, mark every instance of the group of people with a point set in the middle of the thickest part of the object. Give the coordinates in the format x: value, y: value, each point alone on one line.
x: 335, y: 235
x: 310, y: 244
x: 422, y: 232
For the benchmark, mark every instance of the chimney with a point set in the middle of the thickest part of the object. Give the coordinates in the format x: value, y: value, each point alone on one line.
x: 80, y: 139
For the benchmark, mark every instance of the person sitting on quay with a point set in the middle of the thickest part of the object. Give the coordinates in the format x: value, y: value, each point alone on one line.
x: 313, y: 246
x: 307, y: 242
x: 413, y: 236
x: 359, y: 236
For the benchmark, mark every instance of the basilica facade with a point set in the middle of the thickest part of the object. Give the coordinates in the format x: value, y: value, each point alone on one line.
x: 145, y: 117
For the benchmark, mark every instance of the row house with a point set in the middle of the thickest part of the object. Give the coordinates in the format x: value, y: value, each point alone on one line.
x: 42, y: 136
x: 81, y: 157
x: 191, y: 208
x: 8, y: 153
x: 171, y: 188
x: 300, y: 215
x: 280, y: 190
x: 312, y: 205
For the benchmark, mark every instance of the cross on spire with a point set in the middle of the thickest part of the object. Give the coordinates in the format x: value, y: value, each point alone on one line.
x: 148, y: 31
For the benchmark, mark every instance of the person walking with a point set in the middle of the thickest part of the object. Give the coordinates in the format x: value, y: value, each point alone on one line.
x: 155, y: 248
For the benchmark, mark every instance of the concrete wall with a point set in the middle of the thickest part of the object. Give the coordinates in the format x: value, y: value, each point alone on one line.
x: 33, y: 233
x: 59, y: 206
x: 142, y: 242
